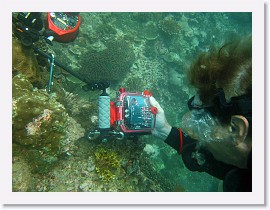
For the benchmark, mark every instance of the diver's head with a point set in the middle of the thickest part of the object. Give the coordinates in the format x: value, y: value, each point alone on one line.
x: 221, y: 112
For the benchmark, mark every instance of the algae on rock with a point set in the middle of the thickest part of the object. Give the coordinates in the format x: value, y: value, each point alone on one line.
x: 38, y: 119
x: 38, y: 123
x: 24, y: 61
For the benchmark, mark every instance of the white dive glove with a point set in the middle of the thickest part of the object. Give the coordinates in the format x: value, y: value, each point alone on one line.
x: 162, y: 128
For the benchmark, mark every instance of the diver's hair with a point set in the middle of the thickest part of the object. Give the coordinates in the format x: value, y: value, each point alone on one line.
x: 229, y: 67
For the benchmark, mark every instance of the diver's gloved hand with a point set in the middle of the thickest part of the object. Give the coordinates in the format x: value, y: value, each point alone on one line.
x: 163, y: 128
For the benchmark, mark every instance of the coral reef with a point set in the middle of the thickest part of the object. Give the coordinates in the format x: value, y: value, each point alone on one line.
x: 169, y: 26
x: 142, y: 16
x: 105, y: 30
x: 74, y: 131
x: 41, y: 126
x: 142, y: 51
x: 134, y: 84
x: 172, y: 57
x: 162, y: 184
x: 150, y: 50
x: 176, y: 78
x: 77, y: 50
x: 112, y: 64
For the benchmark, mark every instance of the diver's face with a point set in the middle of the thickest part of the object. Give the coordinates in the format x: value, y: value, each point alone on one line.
x: 202, y: 126
x: 218, y: 139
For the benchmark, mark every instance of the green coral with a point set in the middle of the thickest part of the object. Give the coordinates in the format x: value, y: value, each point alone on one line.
x: 113, y: 63
x: 107, y: 163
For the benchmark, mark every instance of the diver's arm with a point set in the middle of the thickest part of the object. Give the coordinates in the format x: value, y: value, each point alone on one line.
x: 196, y: 159
x: 200, y: 159
x: 178, y: 140
x: 163, y: 130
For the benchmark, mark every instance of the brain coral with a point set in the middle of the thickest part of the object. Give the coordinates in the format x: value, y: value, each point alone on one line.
x: 112, y: 64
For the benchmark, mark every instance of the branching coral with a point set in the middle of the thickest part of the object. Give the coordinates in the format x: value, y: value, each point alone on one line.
x: 107, y: 163
x: 112, y: 64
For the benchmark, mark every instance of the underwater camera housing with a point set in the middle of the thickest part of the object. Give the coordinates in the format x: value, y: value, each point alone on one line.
x: 130, y: 115
x: 133, y: 113
x: 63, y: 26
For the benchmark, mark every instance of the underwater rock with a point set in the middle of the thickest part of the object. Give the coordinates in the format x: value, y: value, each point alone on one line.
x: 39, y: 125
x: 24, y: 61
x: 158, y: 164
x: 38, y: 120
x: 77, y: 50
x: 21, y: 175
x: 74, y: 131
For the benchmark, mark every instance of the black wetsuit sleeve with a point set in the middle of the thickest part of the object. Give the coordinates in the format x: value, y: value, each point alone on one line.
x: 200, y: 159
x: 173, y: 139
x: 197, y: 159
